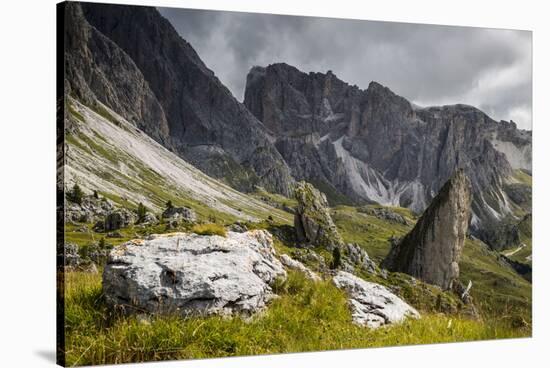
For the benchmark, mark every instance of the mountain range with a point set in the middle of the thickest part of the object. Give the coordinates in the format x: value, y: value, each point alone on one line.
x: 358, y: 146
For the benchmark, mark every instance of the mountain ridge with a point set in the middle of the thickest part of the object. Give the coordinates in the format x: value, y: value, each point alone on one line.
x: 389, y: 151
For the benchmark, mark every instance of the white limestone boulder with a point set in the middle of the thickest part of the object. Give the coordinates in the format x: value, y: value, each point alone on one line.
x: 184, y: 274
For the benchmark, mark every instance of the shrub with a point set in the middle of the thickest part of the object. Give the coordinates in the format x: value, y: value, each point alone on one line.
x: 209, y: 229
x: 169, y: 205
x: 96, y: 194
x: 76, y: 194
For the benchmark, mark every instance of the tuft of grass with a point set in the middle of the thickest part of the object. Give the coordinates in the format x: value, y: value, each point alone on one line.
x: 209, y: 229
x: 307, y: 316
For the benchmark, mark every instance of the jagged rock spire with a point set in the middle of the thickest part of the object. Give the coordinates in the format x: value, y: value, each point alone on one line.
x: 432, y: 250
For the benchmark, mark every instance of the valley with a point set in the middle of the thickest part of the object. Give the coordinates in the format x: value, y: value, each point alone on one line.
x: 314, y: 215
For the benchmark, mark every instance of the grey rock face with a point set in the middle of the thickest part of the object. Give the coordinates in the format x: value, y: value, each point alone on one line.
x: 91, y: 209
x: 299, y: 266
x: 312, y: 220
x: 432, y: 250
x: 188, y: 274
x: 98, y: 71
x: 355, y: 256
x: 180, y: 214
x: 132, y: 60
x: 372, y: 305
x: 374, y: 146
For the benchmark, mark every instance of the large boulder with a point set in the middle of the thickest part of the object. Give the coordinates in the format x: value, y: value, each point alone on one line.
x: 372, y: 305
x: 115, y: 220
x: 432, y: 250
x: 183, y: 274
x: 312, y: 220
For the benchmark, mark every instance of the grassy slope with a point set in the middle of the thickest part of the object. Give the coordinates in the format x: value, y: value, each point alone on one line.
x: 307, y: 317
x: 497, y: 290
x: 130, y: 176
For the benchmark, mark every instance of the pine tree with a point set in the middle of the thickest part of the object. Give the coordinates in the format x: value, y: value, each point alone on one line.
x: 96, y: 194
x: 169, y: 205
x: 76, y: 194
x: 336, y: 258
x: 141, y: 211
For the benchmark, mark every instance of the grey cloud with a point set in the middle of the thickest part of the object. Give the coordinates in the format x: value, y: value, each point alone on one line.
x: 428, y: 64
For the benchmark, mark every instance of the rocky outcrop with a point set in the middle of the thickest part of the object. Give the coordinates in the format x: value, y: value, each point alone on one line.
x: 115, y: 220
x: 372, y: 305
x: 385, y: 214
x: 299, y: 266
x: 356, y: 257
x: 374, y: 146
x: 148, y: 219
x: 133, y: 61
x: 89, y: 210
x: 432, y: 250
x: 312, y: 220
x: 180, y: 214
x: 188, y: 274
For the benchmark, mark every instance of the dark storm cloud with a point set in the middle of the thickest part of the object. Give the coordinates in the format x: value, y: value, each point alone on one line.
x: 430, y: 65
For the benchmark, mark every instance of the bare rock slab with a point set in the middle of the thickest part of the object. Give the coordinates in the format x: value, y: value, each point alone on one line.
x: 190, y: 274
x: 373, y: 305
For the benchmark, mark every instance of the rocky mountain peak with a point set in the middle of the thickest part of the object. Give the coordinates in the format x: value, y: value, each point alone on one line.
x: 374, y: 146
x: 432, y: 250
x: 144, y: 71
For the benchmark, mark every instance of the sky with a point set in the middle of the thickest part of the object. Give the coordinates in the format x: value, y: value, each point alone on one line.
x: 427, y: 64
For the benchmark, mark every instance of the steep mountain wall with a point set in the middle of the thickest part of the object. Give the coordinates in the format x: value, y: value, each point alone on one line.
x: 389, y: 151
x: 132, y: 60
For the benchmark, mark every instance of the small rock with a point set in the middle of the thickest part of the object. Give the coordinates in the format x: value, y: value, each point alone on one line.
x: 357, y: 256
x: 384, y: 214
x: 72, y: 258
x: 238, y: 227
x: 372, y: 305
x: 297, y: 265
x: 149, y: 219
x: 88, y: 268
